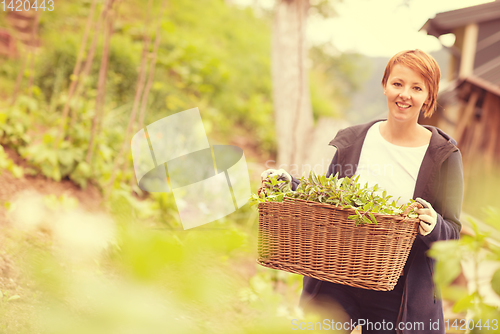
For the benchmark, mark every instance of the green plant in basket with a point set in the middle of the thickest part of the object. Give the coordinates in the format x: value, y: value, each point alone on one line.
x: 273, y: 189
x: 344, y: 192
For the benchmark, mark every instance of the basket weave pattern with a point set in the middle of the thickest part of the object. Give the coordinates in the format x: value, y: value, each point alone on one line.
x: 317, y: 240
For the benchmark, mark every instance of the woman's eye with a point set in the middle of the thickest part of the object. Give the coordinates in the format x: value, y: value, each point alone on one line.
x: 418, y: 88
x: 397, y: 84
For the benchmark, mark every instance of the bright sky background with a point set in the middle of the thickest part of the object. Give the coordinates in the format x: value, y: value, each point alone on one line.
x: 378, y: 27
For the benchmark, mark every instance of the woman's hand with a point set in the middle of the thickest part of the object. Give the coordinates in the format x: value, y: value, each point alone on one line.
x: 281, y: 174
x: 427, y: 216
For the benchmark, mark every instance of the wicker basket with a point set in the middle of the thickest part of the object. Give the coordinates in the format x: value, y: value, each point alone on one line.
x: 317, y: 240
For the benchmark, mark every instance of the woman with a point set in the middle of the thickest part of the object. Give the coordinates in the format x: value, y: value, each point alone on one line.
x: 424, y: 164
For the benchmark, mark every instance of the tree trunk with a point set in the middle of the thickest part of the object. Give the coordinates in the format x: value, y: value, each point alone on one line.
x: 101, y: 84
x: 291, y: 97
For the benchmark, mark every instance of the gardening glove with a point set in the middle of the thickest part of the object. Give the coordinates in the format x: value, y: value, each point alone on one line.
x: 427, y: 216
x: 282, y: 175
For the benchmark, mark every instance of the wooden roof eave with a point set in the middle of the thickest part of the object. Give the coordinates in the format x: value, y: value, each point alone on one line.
x: 432, y: 30
x: 481, y: 83
x: 445, y: 22
x: 472, y: 79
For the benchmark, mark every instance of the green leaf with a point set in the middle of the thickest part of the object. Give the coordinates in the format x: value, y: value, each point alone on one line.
x: 495, y: 282
x: 273, y: 180
x: 168, y: 26
x: 315, y: 178
x: 13, y: 298
x: 448, y: 255
x: 48, y: 138
x: 65, y: 157
x: 464, y: 303
x: 17, y: 171
x: 55, y: 174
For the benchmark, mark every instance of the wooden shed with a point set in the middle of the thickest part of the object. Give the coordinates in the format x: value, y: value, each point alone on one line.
x: 469, y: 106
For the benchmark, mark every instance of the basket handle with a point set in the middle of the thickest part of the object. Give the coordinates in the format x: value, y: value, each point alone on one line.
x: 411, y: 207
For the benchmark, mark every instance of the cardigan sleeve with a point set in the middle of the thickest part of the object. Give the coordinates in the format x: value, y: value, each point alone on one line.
x: 332, y: 169
x: 448, y: 204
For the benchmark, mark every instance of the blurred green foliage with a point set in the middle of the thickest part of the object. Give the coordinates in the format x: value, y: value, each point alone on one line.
x: 143, y: 280
x: 212, y: 56
x: 7, y: 164
x: 478, y: 256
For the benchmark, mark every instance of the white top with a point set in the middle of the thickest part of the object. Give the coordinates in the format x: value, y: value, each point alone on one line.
x: 394, y: 168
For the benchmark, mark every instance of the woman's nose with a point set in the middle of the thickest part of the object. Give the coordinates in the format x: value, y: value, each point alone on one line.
x: 405, y: 96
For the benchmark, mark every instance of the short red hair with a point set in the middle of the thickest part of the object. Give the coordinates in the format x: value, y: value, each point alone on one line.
x: 426, y: 66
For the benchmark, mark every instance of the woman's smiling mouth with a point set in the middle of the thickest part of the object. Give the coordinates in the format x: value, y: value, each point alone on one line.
x: 403, y: 105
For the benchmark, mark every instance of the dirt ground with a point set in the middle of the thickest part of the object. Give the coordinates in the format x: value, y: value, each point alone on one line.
x: 89, y: 199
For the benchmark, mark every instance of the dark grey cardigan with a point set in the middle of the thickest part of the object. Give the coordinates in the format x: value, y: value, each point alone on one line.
x: 439, y: 182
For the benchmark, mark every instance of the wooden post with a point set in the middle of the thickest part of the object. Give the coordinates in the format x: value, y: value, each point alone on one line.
x: 75, y: 77
x: 101, y: 84
x: 475, y: 147
x: 132, y: 119
x: 493, y: 129
x: 466, y: 116
x: 152, y: 66
x: 85, y: 72
x: 468, y: 50
x: 33, y: 47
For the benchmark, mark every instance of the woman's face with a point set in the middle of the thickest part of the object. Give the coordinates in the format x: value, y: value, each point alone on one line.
x: 406, y: 93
